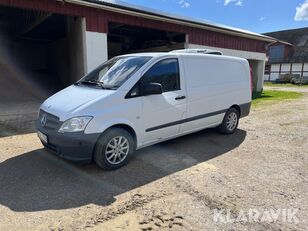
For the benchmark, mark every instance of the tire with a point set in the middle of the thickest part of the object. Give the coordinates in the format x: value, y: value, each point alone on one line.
x: 109, y: 154
x: 230, y: 122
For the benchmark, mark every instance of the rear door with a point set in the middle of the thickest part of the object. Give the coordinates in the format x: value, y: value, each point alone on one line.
x: 162, y: 114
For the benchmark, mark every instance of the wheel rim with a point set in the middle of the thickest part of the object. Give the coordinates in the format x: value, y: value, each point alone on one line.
x: 232, y: 121
x: 117, y: 150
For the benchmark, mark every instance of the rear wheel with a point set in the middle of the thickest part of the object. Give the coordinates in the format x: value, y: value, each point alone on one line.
x: 114, y: 148
x: 230, y: 122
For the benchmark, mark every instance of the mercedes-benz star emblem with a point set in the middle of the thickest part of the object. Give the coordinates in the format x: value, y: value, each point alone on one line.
x: 44, y: 120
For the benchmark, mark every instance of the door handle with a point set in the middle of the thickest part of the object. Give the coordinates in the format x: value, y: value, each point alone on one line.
x: 181, y: 97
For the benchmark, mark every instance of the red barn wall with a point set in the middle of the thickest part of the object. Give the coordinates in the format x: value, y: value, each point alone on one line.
x: 97, y: 20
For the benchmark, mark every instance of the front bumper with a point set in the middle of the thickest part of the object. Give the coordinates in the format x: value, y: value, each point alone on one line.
x: 77, y: 146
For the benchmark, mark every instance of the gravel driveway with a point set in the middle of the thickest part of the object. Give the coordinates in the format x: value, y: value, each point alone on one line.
x: 190, y: 183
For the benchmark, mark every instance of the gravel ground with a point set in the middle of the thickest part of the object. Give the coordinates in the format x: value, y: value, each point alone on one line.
x: 18, y: 117
x: 177, y: 185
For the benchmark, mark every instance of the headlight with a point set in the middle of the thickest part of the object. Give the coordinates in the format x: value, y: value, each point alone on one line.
x: 76, y: 124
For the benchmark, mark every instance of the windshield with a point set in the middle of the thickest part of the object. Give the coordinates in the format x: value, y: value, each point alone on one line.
x: 113, y: 73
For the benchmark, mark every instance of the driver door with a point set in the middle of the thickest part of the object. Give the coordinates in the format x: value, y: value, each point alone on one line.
x: 162, y: 114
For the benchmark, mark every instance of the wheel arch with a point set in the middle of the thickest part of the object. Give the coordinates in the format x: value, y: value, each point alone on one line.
x: 124, y: 126
x: 127, y: 128
x: 237, y: 107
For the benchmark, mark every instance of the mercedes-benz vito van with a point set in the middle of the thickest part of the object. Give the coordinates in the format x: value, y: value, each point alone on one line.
x: 137, y: 100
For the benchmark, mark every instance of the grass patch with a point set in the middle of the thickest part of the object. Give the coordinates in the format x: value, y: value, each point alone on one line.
x: 268, y: 96
x: 270, y: 84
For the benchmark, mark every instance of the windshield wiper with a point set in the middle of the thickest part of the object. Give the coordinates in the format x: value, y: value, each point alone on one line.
x: 115, y: 87
x: 91, y: 82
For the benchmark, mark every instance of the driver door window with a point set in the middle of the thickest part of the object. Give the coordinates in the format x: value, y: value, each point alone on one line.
x: 166, y: 73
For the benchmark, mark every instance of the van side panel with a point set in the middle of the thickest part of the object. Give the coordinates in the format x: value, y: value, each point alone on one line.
x: 214, y: 84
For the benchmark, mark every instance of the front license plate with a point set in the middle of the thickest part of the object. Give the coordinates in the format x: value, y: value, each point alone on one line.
x: 42, y: 137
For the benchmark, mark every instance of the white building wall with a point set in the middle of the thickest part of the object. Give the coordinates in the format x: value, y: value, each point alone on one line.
x: 96, y: 49
x: 296, y: 67
x: 285, y: 69
x: 274, y: 73
x: 260, y: 71
x: 274, y: 76
x: 275, y: 67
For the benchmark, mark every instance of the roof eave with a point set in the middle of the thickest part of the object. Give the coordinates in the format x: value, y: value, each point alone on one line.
x: 144, y: 14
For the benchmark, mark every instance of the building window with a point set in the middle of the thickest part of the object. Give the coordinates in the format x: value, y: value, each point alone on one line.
x: 276, y: 53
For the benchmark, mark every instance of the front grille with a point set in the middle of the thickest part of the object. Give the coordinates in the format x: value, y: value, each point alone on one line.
x: 51, y: 122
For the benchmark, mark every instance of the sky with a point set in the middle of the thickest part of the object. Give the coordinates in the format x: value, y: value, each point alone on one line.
x: 254, y: 15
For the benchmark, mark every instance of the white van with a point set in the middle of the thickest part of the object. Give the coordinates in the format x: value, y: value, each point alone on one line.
x: 137, y: 100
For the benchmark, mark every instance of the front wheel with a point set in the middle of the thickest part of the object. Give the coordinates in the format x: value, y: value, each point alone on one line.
x: 230, y: 122
x: 114, y: 148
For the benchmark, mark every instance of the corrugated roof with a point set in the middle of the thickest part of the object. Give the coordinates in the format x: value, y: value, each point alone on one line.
x: 198, y: 22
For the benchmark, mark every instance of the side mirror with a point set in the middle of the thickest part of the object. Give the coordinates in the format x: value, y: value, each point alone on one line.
x: 153, y: 89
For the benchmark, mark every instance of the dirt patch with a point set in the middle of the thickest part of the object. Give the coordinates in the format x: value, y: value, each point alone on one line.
x: 280, y: 88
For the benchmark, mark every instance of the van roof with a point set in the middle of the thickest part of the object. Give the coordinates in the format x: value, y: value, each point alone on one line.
x: 168, y: 54
x: 198, y: 51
